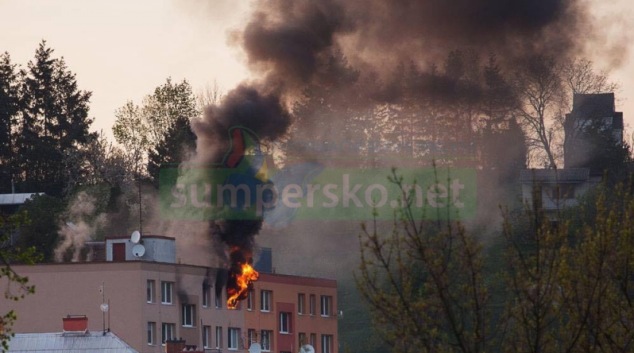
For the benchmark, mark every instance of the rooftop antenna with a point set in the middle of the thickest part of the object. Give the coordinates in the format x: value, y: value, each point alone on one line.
x: 104, y: 307
x: 140, y: 208
x: 135, y: 237
x: 138, y: 250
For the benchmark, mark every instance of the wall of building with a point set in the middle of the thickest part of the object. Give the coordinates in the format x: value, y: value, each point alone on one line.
x: 285, y: 292
x: 63, y: 289
x: 74, y: 288
x: 157, y: 249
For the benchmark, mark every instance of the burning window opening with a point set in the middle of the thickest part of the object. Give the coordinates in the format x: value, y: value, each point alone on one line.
x: 241, y: 278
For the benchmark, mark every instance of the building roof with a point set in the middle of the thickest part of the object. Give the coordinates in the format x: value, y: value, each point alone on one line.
x: 598, y: 105
x: 16, y: 199
x: 90, y: 342
x: 555, y: 175
x: 58, y: 267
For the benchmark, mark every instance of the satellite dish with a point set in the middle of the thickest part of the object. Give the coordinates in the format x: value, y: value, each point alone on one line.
x: 138, y: 250
x: 104, y: 307
x: 307, y: 348
x: 255, y: 348
x: 136, y: 237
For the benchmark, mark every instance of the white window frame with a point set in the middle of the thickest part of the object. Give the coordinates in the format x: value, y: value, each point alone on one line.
x: 300, y: 340
x: 285, y: 322
x: 165, y: 327
x: 218, y: 337
x: 233, y: 339
x: 266, y: 337
x: 265, y: 300
x: 151, y: 330
x: 167, y: 288
x: 150, y: 291
x: 207, y: 337
x: 189, y: 315
x: 326, y: 343
x: 313, y: 339
x: 326, y: 303
x: 301, y: 301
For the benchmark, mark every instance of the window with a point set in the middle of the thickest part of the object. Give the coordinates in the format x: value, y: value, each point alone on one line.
x: 251, y: 337
x: 563, y: 192
x: 189, y: 315
x: 313, y: 340
x: 265, y: 300
x: 311, y: 304
x: 206, y: 295
x: 206, y: 336
x: 301, y: 298
x: 302, y: 339
x: 266, y: 340
x: 151, y: 329
x: 150, y: 291
x: 219, y: 300
x: 326, y: 343
x: 326, y: 305
x: 218, y: 337
x: 166, y: 292
x: 233, y: 337
x: 250, y: 300
x: 168, y: 331
x: 285, y: 322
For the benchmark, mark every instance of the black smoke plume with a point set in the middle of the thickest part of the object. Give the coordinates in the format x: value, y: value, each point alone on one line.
x: 289, y: 44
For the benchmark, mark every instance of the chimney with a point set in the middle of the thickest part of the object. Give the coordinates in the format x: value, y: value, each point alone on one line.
x: 75, y: 323
x: 174, y: 346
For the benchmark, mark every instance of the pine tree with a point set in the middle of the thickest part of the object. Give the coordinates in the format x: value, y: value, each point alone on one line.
x: 173, y: 149
x: 54, y: 122
x: 9, y: 109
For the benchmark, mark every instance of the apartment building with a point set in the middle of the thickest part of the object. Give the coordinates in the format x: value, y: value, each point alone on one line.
x: 150, y: 302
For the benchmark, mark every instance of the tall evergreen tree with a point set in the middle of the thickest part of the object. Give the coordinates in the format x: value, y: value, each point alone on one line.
x: 9, y: 109
x: 54, y: 122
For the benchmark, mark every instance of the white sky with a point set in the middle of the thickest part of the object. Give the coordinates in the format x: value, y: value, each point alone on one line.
x: 121, y: 50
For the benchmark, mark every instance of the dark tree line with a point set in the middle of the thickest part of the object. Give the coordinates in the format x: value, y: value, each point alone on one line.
x: 43, y: 119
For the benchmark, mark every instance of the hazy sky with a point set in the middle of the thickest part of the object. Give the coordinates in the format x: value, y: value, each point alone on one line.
x: 122, y: 50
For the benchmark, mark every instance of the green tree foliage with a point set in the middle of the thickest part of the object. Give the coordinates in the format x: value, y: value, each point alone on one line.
x: 172, y: 107
x: 159, y: 131
x: 16, y: 286
x: 41, y: 233
x: 54, y: 122
x: 555, y: 288
x: 424, y: 284
x: 9, y: 109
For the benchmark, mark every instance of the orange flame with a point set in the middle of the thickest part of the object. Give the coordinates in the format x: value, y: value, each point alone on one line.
x: 242, y: 280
